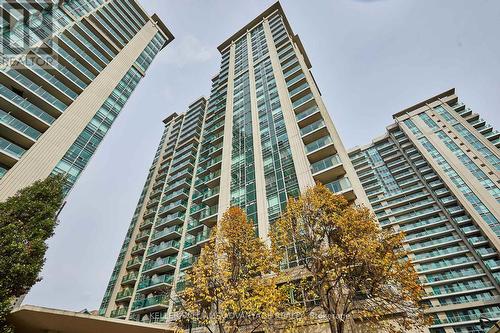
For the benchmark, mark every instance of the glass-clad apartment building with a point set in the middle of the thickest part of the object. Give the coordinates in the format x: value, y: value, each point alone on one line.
x: 67, y: 69
x: 435, y: 175
x: 263, y: 136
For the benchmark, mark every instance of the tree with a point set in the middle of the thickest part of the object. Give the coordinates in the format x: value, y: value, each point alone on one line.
x: 358, y: 272
x: 27, y: 220
x: 233, y: 286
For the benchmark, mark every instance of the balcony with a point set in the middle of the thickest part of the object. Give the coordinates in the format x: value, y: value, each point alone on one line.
x: 134, y: 263
x: 143, y: 235
x: 320, y: 149
x: 146, y: 224
x: 176, y: 195
x: 452, y: 319
x: 193, y: 244
x: 11, y: 152
x: 154, y: 303
x: 167, y: 234
x: 308, y: 116
x: 210, y: 197
x: 170, y: 220
x: 119, y: 313
x: 194, y: 226
x: 138, y: 248
x: 209, y: 215
x: 160, y: 265
x: 174, y: 207
x: 124, y: 295
x: 45, y: 99
x: 149, y: 213
x: 18, y: 131
x: 327, y: 169
x: 130, y: 278
x: 302, y: 102
x: 158, y: 282
x: 341, y: 186
x: 163, y: 249
x: 313, y: 131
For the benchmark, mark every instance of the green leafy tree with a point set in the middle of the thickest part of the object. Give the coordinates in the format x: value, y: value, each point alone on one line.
x: 27, y: 220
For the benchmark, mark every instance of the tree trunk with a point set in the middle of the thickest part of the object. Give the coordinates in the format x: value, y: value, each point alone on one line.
x: 331, y: 323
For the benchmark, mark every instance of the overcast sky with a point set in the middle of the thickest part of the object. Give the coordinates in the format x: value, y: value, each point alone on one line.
x: 370, y: 60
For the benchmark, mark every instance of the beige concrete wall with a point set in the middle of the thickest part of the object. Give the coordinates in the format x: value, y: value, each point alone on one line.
x: 225, y: 178
x: 39, y: 161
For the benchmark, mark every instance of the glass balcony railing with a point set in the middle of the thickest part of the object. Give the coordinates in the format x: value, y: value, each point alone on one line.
x: 339, y: 185
x: 312, y: 127
x: 320, y: 143
x: 175, y: 194
x: 173, y: 244
x: 134, y: 261
x: 139, y: 247
x: 179, y: 216
x: 326, y: 163
x: 130, y: 277
x: 157, y: 280
x: 121, y: 312
x: 10, y: 121
x: 11, y: 148
x: 37, y: 90
x: 302, y: 100
x: 174, y: 205
x: 152, y: 264
x: 25, y: 105
x: 167, y: 231
x: 124, y: 293
x: 301, y: 87
x: 199, y: 238
x: 470, y: 317
x: 65, y: 55
x: 53, y: 80
x: 307, y: 113
x: 143, y: 234
x: 150, y: 301
x: 209, y: 211
x: 81, y: 52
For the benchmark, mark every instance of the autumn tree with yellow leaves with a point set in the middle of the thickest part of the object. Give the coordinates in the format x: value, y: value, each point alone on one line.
x: 234, y: 286
x: 358, y: 272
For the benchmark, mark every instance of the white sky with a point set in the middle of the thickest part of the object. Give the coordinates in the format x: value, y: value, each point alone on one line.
x: 371, y: 58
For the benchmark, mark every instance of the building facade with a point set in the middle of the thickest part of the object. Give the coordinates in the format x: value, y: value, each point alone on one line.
x: 263, y: 136
x: 435, y: 176
x: 67, y: 69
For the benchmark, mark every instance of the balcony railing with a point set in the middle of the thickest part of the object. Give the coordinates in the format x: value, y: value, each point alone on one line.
x: 7, y: 119
x: 174, y: 244
x: 154, y: 281
x: 339, y: 185
x: 124, y: 293
x: 152, y: 264
x: 312, y: 127
x: 150, y: 301
x: 326, y: 163
x: 302, y: 100
x: 25, y: 105
x: 307, y: 113
x: 121, y: 312
x: 320, y: 143
x: 174, y: 229
x: 11, y: 148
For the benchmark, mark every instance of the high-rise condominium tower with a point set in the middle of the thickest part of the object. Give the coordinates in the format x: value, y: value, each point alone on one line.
x: 67, y: 69
x: 435, y: 175
x: 263, y: 136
